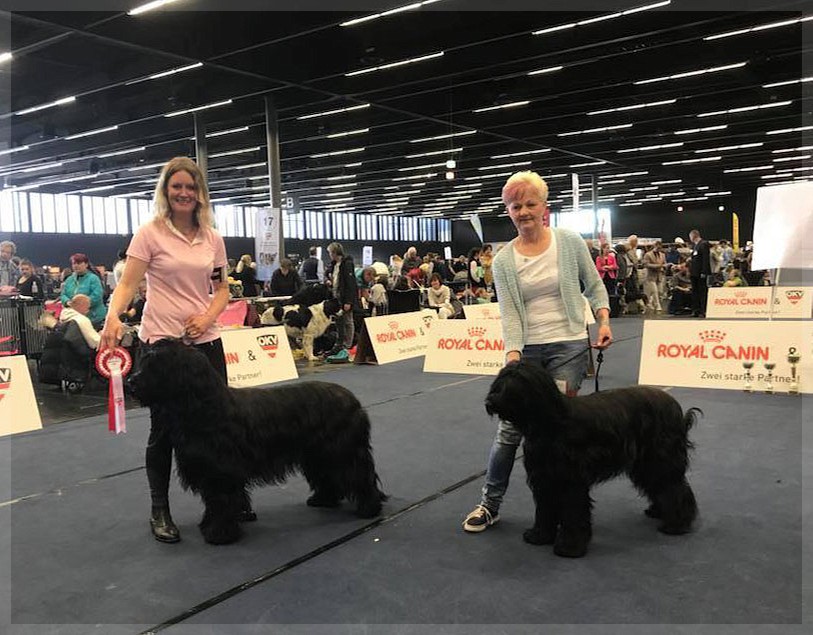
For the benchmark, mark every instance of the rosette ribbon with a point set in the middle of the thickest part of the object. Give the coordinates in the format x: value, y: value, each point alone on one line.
x: 114, y: 364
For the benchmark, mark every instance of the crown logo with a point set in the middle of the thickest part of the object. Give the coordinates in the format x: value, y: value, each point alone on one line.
x: 476, y: 331
x: 740, y: 294
x: 393, y: 325
x: 712, y: 335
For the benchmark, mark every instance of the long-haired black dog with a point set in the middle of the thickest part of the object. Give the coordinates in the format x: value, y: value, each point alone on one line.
x: 573, y: 443
x: 229, y: 439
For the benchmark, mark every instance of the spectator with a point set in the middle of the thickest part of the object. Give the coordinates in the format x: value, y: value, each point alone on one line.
x: 9, y: 272
x: 594, y: 253
x: 460, y: 264
x: 681, y: 299
x: 77, y: 311
x: 607, y: 269
x: 475, y: 270
x: 439, y: 297
x: 411, y: 261
x: 83, y: 281
x: 246, y: 272
x: 699, y: 270
x: 285, y: 280
x: 312, y: 269
x: 346, y: 291
x: 727, y: 256
x: 29, y: 283
x: 735, y: 279
x: 118, y: 268
x: 486, y: 258
x: 654, y: 265
x: 135, y: 310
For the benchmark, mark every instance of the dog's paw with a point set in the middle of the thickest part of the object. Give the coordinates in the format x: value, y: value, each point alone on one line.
x: 653, y: 511
x: 674, y: 530
x: 369, y: 510
x: 314, y: 358
x: 323, y: 500
x: 534, y: 536
x: 221, y: 534
x: 572, y: 544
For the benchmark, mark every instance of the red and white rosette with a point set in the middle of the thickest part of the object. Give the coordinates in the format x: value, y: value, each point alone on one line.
x: 114, y: 364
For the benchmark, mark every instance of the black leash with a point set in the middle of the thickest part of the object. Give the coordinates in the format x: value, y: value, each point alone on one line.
x: 599, y: 357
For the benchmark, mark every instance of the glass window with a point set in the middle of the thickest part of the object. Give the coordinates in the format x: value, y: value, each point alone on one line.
x: 98, y: 215
x: 251, y: 221
x: 345, y: 228
x: 444, y: 230
x: 315, y: 224
x: 427, y: 226
x: 36, y: 212
x: 7, y: 211
x: 122, y: 213
x: 367, y: 227
x: 22, y: 209
x: 409, y: 228
x: 74, y: 213
x: 387, y: 227
x: 63, y: 225
x: 48, y: 215
x: 293, y: 224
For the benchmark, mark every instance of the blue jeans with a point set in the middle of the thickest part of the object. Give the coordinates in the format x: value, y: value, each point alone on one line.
x: 504, y: 448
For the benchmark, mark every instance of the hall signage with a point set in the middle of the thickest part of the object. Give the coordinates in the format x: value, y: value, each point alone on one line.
x: 730, y: 354
x: 18, y: 406
x: 468, y: 347
x: 255, y: 357
x: 400, y: 335
x: 760, y: 302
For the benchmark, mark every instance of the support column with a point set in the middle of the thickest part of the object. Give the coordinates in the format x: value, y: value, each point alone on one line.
x: 594, y: 201
x: 274, y: 168
x: 201, y: 149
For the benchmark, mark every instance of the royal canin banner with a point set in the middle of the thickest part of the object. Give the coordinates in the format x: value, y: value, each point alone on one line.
x: 18, y: 407
x: 468, y: 347
x: 400, y: 335
x: 794, y: 303
x: 490, y: 311
x: 711, y: 353
x: 255, y: 357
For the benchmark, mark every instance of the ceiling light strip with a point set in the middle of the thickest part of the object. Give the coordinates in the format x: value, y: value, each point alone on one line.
x: 90, y: 133
x: 513, y: 104
x: 155, y: 4
x: 633, y: 107
x: 702, y: 71
x: 601, y: 18
x: 761, y: 27
x: 382, y: 67
x: 593, y: 130
x: 58, y: 102
x: 198, y: 108
x: 746, y: 108
x: 706, y: 129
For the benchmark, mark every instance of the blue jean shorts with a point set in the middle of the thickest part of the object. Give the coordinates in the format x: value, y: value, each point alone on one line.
x: 565, y: 360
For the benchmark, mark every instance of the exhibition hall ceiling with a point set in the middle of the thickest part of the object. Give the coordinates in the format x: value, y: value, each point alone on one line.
x: 653, y: 102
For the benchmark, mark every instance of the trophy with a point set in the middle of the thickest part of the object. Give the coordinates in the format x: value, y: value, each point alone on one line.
x: 769, y: 366
x: 748, y: 387
x: 793, y: 359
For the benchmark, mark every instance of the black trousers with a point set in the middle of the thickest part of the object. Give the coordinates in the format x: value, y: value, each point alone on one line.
x: 159, y: 445
x: 700, y: 292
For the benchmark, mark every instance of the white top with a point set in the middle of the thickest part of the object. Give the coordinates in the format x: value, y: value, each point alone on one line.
x: 542, y: 296
x: 90, y: 334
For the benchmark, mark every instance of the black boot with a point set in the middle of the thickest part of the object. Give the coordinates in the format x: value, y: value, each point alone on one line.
x: 163, y: 529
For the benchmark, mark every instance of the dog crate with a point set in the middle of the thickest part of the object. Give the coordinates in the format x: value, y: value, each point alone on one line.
x: 20, y: 332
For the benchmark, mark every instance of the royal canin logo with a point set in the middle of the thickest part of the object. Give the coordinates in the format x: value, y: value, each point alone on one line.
x: 269, y: 343
x: 794, y: 296
x: 713, y: 348
x: 396, y: 334
x: 476, y: 331
x: 5, y: 381
x: 476, y: 341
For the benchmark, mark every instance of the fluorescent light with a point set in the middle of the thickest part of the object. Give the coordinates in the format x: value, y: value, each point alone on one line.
x: 340, y: 178
x: 513, y: 104
x: 224, y: 132
x: 519, y: 154
x: 582, y: 165
x: 11, y: 150
x: 486, y: 176
x: 726, y: 193
x: 646, y: 7
x: 601, y: 18
x: 352, y: 165
x: 505, y: 165
x: 796, y: 158
x: 248, y: 166
x: 172, y: 71
x: 335, y: 111
x: 755, y: 168
x: 762, y: 27
x: 706, y: 129
x: 669, y: 182
x: 375, y: 16
x: 337, y: 135
x: 42, y: 167
x: 58, y: 102
x: 444, y: 136
x: 789, y: 82
x: 735, y: 147
x: 623, y: 174
x: 5, y: 57
x: 655, y: 147
x: 382, y: 67
x: 552, y: 29
x: 339, y: 186
x: 647, y: 188
x: 149, y: 6
x: 543, y: 71
x: 415, y: 176
x: 336, y: 153
x: 145, y: 167
x: 784, y: 130
x: 613, y: 182
x: 120, y: 152
x: 196, y: 109
x: 688, y: 161
x: 686, y: 200
x: 746, y: 108
x: 799, y: 149
x: 591, y: 130
x: 91, y: 133
x: 435, y: 153
x: 633, y: 107
x: 229, y: 153
x: 702, y: 71
x: 422, y: 167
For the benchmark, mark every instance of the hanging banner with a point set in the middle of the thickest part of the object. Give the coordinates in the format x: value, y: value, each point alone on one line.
x: 468, y: 347
x: 795, y: 303
x: 257, y: 356
x: 18, y: 407
x: 366, y: 255
x: 478, y: 226
x: 266, y: 242
x: 738, y: 355
x: 489, y: 311
x: 400, y: 335
x: 735, y: 232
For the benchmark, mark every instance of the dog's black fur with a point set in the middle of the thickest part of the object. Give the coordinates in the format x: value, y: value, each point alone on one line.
x: 573, y: 443
x: 311, y: 294
x: 229, y: 439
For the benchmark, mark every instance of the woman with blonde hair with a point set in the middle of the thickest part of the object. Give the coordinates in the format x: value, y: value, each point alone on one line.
x: 537, y: 277
x: 246, y: 273
x: 183, y: 259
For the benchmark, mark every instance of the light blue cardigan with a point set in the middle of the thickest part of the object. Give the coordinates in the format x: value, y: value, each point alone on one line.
x: 575, y: 264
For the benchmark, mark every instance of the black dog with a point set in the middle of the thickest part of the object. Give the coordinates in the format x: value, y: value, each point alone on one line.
x: 228, y: 439
x: 573, y: 443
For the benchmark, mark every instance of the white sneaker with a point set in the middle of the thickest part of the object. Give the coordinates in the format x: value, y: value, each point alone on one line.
x: 480, y: 519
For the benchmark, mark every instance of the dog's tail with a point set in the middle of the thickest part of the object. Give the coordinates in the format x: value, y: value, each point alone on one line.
x: 691, y: 416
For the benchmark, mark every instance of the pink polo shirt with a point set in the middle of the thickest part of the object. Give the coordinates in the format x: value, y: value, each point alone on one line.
x: 179, y: 278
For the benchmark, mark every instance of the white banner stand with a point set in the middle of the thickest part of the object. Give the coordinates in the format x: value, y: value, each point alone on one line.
x: 18, y: 406
x: 255, y: 357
